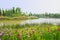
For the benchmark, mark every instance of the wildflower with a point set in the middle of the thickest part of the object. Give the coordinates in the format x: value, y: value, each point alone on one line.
x: 58, y: 29
x: 28, y: 36
x: 16, y: 30
x: 49, y: 29
x: 40, y: 33
x: 10, y: 34
x: 31, y: 28
x: 18, y: 36
x: 26, y: 28
x: 33, y: 31
x: 30, y: 33
x: 1, y: 33
x: 7, y: 29
x: 6, y: 33
x: 0, y: 38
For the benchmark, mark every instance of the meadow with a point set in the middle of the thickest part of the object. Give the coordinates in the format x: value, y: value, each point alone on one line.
x: 30, y: 32
x: 10, y: 28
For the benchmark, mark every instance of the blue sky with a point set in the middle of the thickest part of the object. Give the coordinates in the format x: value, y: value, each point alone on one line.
x: 34, y: 6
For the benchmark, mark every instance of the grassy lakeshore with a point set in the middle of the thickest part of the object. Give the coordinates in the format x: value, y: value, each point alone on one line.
x: 10, y: 28
x: 30, y: 32
x: 10, y: 22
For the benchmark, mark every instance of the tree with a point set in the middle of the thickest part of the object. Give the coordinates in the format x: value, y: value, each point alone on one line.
x: 0, y: 12
x: 18, y: 10
x: 13, y: 9
x: 3, y: 13
x: 30, y: 14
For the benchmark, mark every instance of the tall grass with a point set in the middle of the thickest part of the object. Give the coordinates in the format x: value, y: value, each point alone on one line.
x: 30, y: 32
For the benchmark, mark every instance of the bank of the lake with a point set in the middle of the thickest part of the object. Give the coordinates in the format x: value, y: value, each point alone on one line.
x: 32, y: 21
x: 35, y: 29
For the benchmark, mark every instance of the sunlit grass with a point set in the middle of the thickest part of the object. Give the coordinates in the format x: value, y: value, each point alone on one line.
x: 30, y: 32
x: 11, y: 21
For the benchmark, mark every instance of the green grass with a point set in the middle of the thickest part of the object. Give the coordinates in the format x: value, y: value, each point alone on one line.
x: 10, y: 22
x: 30, y: 32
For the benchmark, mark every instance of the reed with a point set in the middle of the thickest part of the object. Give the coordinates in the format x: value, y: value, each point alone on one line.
x: 30, y: 32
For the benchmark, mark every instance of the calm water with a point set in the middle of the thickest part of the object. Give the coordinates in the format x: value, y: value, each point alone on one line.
x: 42, y: 20
x: 34, y: 21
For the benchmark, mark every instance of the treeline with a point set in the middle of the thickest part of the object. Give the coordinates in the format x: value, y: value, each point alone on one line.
x: 11, y: 12
x: 16, y: 11
x: 46, y: 15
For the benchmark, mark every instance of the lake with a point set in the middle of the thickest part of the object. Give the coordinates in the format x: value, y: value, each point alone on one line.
x: 33, y: 21
x: 42, y: 20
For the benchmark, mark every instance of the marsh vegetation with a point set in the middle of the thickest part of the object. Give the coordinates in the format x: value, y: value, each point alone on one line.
x: 30, y: 32
x: 40, y: 28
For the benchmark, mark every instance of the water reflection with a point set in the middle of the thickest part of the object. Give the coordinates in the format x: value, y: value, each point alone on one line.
x: 36, y: 21
x: 42, y: 20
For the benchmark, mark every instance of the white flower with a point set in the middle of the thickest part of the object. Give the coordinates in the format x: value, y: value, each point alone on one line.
x: 0, y: 38
x: 1, y: 33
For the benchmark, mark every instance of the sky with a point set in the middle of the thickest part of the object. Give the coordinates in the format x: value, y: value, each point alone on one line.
x: 34, y: 6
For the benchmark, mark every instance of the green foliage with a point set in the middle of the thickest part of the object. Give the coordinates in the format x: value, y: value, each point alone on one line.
x: 46, y: 15
x: 30, y: 32
x: 11, y: 12
x: 17, y: 12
